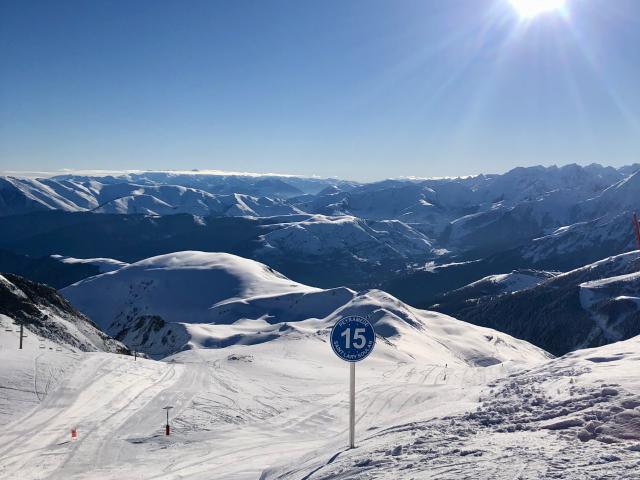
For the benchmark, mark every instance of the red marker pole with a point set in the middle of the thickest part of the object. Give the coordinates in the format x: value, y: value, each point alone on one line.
x: 167, y: 429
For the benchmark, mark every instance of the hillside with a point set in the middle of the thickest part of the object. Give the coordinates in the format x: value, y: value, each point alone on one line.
x: 188, y: 300
x: 589, y: 306
x: 360, y: 252
x: 158, y: 193
x: 489, y: 287
x: 50, y: 322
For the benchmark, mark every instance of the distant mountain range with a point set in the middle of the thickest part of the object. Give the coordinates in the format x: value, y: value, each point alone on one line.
x: 159, y: 193
x: 417, y: 238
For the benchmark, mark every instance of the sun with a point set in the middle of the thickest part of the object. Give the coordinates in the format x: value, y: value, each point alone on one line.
x: 533, y: 8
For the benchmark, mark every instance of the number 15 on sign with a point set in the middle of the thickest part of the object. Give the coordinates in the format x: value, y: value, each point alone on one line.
x: 352, y: 339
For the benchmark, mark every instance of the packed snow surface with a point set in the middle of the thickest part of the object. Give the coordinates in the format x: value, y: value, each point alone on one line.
x: 577, y: 417
x: 238, y: 411
x: 278, y: 410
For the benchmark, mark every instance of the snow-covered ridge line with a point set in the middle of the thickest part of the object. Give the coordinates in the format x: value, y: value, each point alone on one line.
x: 194, y: 300
x: 104, y: 264
x: 124, y: 173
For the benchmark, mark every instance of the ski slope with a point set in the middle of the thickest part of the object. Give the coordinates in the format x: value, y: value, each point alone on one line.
x: 238, y: 411
x: 576, y: 417
x: 278, y: 410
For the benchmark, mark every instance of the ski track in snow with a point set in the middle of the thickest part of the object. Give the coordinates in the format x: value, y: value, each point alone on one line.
x: 527, y: 426
x: 279, y: 411
x: 221, y: 422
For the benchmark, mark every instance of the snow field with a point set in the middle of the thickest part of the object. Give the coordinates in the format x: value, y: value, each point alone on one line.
x: 576, y: 417
x: 239, y: 411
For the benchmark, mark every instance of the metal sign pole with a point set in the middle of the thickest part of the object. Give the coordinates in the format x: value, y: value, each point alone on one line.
x: 167, y: 429
x: 352, y: 405
x: 352, y: 339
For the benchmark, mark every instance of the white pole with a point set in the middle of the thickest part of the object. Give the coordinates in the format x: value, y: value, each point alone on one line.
x: 352, y: 405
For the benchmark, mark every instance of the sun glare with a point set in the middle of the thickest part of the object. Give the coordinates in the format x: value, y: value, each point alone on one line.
x: 532, y: 8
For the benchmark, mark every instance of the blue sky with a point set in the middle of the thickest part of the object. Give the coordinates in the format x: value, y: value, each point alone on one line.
x: 360, y: 89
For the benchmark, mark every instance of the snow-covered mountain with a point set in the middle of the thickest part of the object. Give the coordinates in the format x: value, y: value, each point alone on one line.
x: 343, y: 236
x: 217, y: 182
x: 240, y: 411
x: 172, y: 199
x: 572, y: 245
x: 408, y: 201
x: 18, y: 196
x: 361, y: 253
x: 23, y: 195
x: 380, y: 234
x: 489, y: 287
x: 103, y: 264
x: 590, y: 306
x: 188, y: 300
x: 430, y: 202
x: 49, y: 321
x: 620, y: 196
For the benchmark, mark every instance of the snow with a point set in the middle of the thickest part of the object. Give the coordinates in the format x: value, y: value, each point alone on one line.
x: 585, y: 307
x: 278, y: 410
x: 514, y: 281
x: 467, y: 214
x: 573, y: 417
x: 188, y: 300
x: 27, y: 377
x: 237, y: 410
x: 606, y: 282
x: 185, y: 287
x: 104, y: 264
x: 324, y: 235
x: 610, y: 233
x: 49, y: 323
x: 260, y: 395
x: 241, y: 352
x: 149, y: 197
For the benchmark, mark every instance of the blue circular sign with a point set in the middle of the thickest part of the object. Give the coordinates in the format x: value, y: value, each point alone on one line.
x: 353, y: 338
